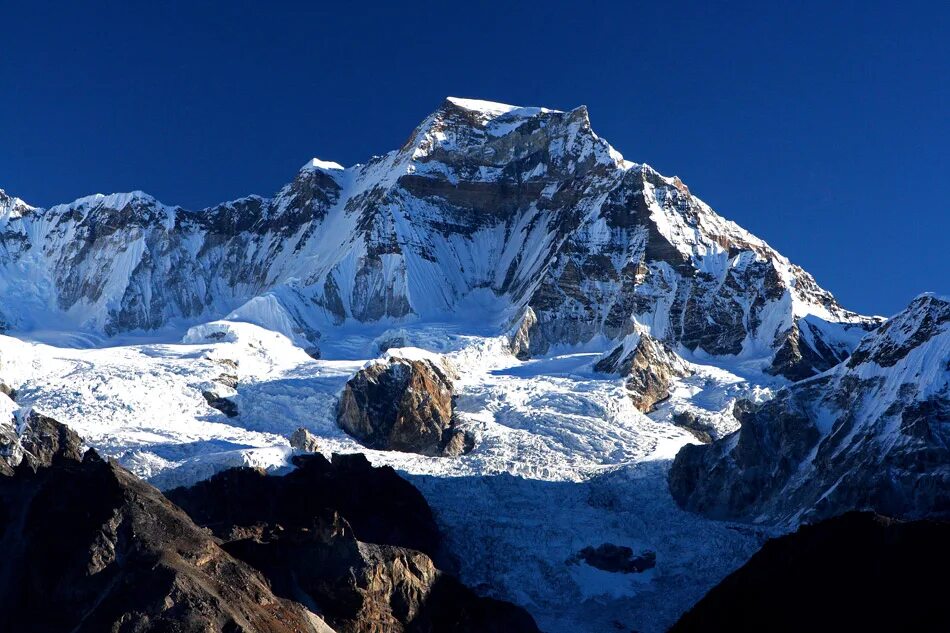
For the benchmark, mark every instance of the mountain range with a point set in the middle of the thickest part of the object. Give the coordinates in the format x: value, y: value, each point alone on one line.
x: 515, y: 318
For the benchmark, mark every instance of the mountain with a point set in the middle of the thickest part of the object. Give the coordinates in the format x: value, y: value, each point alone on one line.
x: 872, y: 433
x: 90, y: 547
x: 856, y: 572
x: 521, y: 216
x: 516, y: 319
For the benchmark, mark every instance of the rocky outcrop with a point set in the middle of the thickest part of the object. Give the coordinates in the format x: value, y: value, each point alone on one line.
x: 304, y: 441
x: 694, y: 423
x: 857, y: 572
x: 649, y: 365
x: 220, y: 393
x: 356, y: 543
x: 88, y: 547
x: 36, y: 441
x: 615, y: 559
x: 402, y: 405
x: 519, y: 340
x: 872, y: 433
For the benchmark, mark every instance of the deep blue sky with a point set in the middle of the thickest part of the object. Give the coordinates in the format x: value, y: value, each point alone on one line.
x: 821, y: 127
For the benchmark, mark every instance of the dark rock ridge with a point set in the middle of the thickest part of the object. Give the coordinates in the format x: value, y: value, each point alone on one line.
x: 856, y: 572
x: 689, y: 420
x: 525, y: 205
x: 650, y: 367
x: 355, y: 543
x: 872, y: 433
x: 88, y: 548
x: 402, y: 405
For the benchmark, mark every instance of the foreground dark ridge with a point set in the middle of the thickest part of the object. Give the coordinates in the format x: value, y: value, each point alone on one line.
x: 856, y: 572
x: 88, y: 547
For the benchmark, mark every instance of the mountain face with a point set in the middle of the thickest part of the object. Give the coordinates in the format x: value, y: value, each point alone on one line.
x: 524, y: 213
x: 856, y: 572
x: 872, y: 433
x: 359, y: 544
x: 90, y: 547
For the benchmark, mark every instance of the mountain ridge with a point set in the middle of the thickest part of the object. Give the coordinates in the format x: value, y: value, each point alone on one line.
x: 513, y: 208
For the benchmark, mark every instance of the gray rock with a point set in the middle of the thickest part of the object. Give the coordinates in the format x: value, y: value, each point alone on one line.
x: 649, y: 365
x: 304, y: 440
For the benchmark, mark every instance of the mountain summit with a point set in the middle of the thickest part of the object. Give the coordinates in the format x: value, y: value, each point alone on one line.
x: 523, y: 212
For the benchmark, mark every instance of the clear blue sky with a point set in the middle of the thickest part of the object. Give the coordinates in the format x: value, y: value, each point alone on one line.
x: 821, y: 127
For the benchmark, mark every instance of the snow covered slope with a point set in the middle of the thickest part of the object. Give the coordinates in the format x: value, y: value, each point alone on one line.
x: 488, y: 214
x: 872, y: 433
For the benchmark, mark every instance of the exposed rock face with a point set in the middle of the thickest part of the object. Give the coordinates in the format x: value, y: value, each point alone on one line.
x: 36, y: 441
x: 88, y: 548
x: 222, y: 390
x: 702, y: 431
x: 520, y: 337
x: 873, y: 433
x: 354, y: 542
x: 857, y: 572
x: 402, y: 405
x: 649, y: 365
x: 379, y: 506
x: 523, y: 208
x: 305, y: 441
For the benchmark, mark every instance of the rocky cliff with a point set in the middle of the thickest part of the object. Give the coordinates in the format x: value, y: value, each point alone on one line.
x: 355, y: 543
x: 871, y: 433
x: 88, y: 547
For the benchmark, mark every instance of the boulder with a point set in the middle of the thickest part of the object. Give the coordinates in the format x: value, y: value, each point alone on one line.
x: 402, y: 405
x: 615, y: 559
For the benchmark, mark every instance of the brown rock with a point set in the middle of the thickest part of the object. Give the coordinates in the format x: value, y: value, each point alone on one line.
x: 304, y: 440
x: 402, y: 405
x: 649, y: 365
x: 88, y: 547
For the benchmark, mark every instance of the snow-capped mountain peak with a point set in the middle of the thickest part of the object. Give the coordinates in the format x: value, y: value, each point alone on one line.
x: 507, y: 206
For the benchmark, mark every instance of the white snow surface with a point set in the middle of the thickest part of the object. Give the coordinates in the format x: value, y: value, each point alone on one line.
x: 562, y: 460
